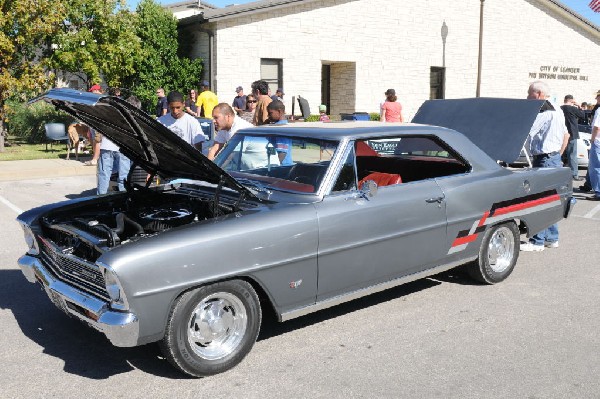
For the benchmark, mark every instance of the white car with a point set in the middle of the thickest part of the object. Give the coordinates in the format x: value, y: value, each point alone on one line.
x: 584, y: 144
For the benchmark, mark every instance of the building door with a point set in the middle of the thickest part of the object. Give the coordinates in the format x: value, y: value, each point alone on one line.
x: 326, y: 86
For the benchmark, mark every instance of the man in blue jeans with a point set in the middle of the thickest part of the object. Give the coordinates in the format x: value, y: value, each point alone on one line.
x: 548, y: 139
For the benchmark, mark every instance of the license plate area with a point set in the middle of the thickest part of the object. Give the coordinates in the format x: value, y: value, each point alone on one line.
x: 55, y: 298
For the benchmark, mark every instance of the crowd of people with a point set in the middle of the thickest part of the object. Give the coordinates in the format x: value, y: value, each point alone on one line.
x: 553, y: 137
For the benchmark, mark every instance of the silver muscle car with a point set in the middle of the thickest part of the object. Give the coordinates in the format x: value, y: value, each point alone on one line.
x: 293, y: 218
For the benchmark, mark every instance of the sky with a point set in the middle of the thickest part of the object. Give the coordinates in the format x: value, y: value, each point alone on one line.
x: 579, y: 6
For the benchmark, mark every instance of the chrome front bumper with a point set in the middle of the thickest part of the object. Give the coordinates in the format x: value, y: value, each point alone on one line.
x: 121, y: 328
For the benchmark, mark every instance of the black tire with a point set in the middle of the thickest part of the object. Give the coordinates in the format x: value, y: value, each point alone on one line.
x: 212, y: 328
x: 498, y: 254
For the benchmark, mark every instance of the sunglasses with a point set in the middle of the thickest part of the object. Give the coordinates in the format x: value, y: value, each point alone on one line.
x: 251, y: 101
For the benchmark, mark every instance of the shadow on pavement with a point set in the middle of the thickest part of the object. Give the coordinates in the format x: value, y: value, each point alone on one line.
x: 272, y: 328
x: 87, y: 353
x: 86, y: 193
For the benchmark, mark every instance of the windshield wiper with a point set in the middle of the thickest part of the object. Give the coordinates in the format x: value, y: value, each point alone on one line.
x: 254, y: 186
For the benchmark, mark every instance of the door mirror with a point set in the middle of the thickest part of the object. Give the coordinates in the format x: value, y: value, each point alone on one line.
x: 369, y: 189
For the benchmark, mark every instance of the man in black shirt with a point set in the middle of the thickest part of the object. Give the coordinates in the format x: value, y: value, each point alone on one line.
x: 162, y: 106
x: 572, y: 114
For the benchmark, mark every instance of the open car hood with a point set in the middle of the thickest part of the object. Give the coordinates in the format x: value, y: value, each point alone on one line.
x: 499, y: 126
x: 140, y: 137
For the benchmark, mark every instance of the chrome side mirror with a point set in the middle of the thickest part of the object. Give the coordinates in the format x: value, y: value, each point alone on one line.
x: 369, y: 189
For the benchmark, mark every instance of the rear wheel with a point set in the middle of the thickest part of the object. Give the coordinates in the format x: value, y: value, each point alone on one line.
x: 498, y: 254
x: 212, y: 328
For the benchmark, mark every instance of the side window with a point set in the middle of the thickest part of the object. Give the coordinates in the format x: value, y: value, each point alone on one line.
x: 346, y: 180
x: 395, y: 160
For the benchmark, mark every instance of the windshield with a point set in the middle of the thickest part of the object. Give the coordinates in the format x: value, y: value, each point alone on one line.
x: 277, y: 162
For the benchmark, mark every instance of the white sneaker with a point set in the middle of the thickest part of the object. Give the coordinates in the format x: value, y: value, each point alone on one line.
x: 553, y: 244
x: 529, y: 247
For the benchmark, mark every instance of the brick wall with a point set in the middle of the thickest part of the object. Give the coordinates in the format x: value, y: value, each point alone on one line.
x: 393, y: 44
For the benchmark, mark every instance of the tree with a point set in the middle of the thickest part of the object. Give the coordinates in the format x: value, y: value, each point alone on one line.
x: 25, y: 27
x: 97, y: 41
x: 160, y: 65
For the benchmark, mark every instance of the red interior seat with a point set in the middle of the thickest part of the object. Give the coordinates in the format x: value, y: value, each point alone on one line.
x: 382, y: 179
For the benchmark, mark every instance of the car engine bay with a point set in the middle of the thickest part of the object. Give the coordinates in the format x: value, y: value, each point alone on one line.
x: 88, y: 229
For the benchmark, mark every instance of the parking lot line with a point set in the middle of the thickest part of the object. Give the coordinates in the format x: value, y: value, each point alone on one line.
x: 590, y: 214
x: 10, y: 205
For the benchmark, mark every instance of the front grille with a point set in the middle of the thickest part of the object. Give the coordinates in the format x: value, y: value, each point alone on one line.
x: 73, y: 270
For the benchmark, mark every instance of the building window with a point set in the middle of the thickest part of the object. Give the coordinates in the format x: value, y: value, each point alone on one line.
x: 437, y: 82
x: 271, y: 71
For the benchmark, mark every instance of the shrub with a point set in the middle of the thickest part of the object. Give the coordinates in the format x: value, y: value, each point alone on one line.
x: 26, y: 121
x: 312, y: 118
x: 374, y: 116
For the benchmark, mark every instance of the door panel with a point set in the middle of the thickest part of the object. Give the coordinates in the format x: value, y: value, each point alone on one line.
x: 366, y: 241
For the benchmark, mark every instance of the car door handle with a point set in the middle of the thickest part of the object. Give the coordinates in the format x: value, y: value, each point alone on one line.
x: 432, y: 200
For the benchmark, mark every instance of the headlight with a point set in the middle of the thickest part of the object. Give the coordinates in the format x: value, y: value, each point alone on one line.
x: 114, y: 289
x: 30, y: 240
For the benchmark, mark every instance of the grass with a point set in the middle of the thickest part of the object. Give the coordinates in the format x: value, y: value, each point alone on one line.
x: 19, y: 150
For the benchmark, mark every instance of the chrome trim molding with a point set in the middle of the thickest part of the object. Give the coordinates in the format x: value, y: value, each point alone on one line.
x: 121, y: 328
x: 327, y: 303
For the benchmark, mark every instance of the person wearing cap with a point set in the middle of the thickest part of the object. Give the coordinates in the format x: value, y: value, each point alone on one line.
x: 391, y: 110
x: 181, y: 123
x: 323, y: 117
x: 278, y: 94
x: 206, y: 100
x: 572, y: 114
x: 239, y: 102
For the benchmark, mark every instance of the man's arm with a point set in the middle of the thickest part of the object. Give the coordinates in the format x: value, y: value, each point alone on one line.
x: 565, y: 142
x: 214, y: 150
x: 594, y: 133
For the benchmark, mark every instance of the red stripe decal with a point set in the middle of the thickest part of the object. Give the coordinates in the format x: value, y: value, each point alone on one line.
x: 528, y: 204
x: 482, y: 221
x: 464, y: 240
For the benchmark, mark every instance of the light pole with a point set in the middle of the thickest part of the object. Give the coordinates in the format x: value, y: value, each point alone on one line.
x: 478, y: 91
x: 444, y: 36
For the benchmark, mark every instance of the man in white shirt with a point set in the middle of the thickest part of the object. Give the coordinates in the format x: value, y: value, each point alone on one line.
x: 181, y: 123
x: 548, y: 139
x: 226, y: 123
x: 594, y: 162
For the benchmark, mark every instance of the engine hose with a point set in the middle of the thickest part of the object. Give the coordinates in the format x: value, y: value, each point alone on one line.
x: 122, y: 219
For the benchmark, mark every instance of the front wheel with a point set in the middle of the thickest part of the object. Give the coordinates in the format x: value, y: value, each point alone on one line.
x: 498, y: 254
x: 212, y: 328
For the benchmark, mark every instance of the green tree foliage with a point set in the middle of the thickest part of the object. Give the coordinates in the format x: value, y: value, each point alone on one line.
x: 160, y: 65
x: 97, y: 40
x: 25, y: 27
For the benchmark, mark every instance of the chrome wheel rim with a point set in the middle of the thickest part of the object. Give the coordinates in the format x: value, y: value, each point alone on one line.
x: 217, y: 326
x: 501, y: 249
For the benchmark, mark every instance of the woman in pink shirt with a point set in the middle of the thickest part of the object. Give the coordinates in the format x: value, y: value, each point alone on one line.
x: 391, y: 111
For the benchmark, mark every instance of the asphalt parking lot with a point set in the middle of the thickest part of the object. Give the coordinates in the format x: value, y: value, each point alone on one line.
x: 533, y: 336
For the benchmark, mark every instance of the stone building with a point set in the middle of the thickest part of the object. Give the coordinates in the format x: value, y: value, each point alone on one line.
x: 346, y: 53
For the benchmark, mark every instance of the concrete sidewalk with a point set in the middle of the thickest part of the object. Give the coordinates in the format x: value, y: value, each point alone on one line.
x: 43, y: 169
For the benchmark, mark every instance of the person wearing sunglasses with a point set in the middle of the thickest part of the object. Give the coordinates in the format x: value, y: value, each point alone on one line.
x: 248, y: 114
x: 190, y: 104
